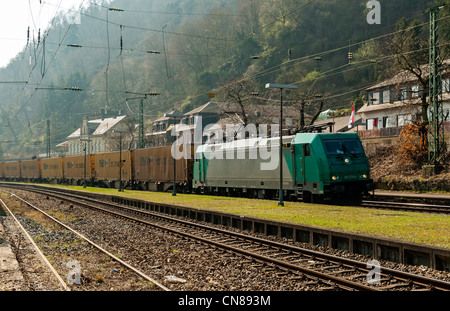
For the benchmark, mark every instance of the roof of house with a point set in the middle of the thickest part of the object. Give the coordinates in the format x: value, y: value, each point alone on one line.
x: 163, y: 118
x: 63, y: 144
x: 211, y: 107
x: 398, y: 104
x: 106, y: 124
x: 406, y: 76
x: 102, y: 126
x: 75, y: 134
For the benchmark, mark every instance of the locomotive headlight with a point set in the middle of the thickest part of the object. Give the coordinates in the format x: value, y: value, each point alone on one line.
x: 347, y: 160
x: 363, y: 176
x: 334, y: 178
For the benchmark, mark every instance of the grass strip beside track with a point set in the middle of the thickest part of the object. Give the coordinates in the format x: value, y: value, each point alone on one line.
x: 428, y: 229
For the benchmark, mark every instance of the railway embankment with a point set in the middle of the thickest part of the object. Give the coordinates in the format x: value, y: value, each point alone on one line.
x: 410, y: 227
x: 414, y: 182
x: 390, y: 172
x: 398, y: 236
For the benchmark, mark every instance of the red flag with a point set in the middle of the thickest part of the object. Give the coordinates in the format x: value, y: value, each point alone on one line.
x: 352, y: 118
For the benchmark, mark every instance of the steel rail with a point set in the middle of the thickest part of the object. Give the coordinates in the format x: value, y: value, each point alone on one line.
x: 417, y: 207
x: 140, y: 273
x: 342, y: 283
x: 332, y: 258
x: 400, y: 275
x: 58, y: 277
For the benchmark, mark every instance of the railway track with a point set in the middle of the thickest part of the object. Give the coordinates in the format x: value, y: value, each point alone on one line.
x: 85, y: 239
x: 403, y: 206
x: 372, y: 203
x: 332, y: 272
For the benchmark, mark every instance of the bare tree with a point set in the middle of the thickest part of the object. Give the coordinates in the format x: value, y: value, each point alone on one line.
x: 129, y: 136
x: 411, y: 49
x: 239, y: 105
x: 305, y: 99
x: 239, y: 95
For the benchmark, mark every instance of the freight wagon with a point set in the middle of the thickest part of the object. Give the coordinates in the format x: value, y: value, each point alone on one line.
x: 316, y: 168
x: 30, y: 170
x: 154, y: 169
x: 111, y: 168
x: 52, y: 170
x: 74, y: 169
x: 12, y: 170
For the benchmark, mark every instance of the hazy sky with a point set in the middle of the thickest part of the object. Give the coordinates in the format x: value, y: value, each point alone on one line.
x: 17, y: 15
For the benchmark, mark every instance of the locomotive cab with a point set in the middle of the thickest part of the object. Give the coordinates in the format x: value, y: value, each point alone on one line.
x: 331, y: 167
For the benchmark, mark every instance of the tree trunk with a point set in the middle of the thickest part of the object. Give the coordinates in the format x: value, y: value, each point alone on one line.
x: 317, y: 114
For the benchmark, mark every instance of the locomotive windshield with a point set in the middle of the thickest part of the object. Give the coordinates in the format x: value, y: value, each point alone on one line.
x: 343, y: 147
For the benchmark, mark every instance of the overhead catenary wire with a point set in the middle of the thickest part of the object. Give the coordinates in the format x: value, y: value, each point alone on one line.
x: 174, y: 13
x: 354, y: 66
x: 245, y: 37
x: 361, y: 64
x: 109, y: 58
x: 208, y: 37
x: 294, y: 60
x: 50, y: 63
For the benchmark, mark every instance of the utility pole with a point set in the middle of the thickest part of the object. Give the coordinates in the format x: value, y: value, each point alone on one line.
x: 175, y: 116
x: 121, y: 162
x: 281, y: 87
x: 48, y: 139
x: 141, y: 138
x: 436, y: 143
x: 141, y: 125
x: 86, y: 141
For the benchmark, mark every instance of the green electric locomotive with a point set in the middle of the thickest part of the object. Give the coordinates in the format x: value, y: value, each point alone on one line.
x: 316, y: 168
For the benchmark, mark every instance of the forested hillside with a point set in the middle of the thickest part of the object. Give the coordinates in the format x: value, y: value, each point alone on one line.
x: 184, y: 50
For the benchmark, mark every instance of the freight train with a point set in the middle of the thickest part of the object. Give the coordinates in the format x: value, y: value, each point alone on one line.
x: 316, y: 168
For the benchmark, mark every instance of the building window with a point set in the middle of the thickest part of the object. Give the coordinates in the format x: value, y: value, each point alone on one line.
x: 375, y: 98
x: 404, y: 119
x: 405, y: 94
x: 415, y: 91
x: 386, y: 97
x: 446, y: 85
x: 307, y: 150
x: 372, y: 124
x: 369, y: 98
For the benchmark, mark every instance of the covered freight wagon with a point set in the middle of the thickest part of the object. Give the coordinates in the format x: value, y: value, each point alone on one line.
x: 154, y: 168
x: 12, y: 170
x: 74, y: 168
x: 52, y: 170
x: 108, y: 170
x: 30, y: 170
